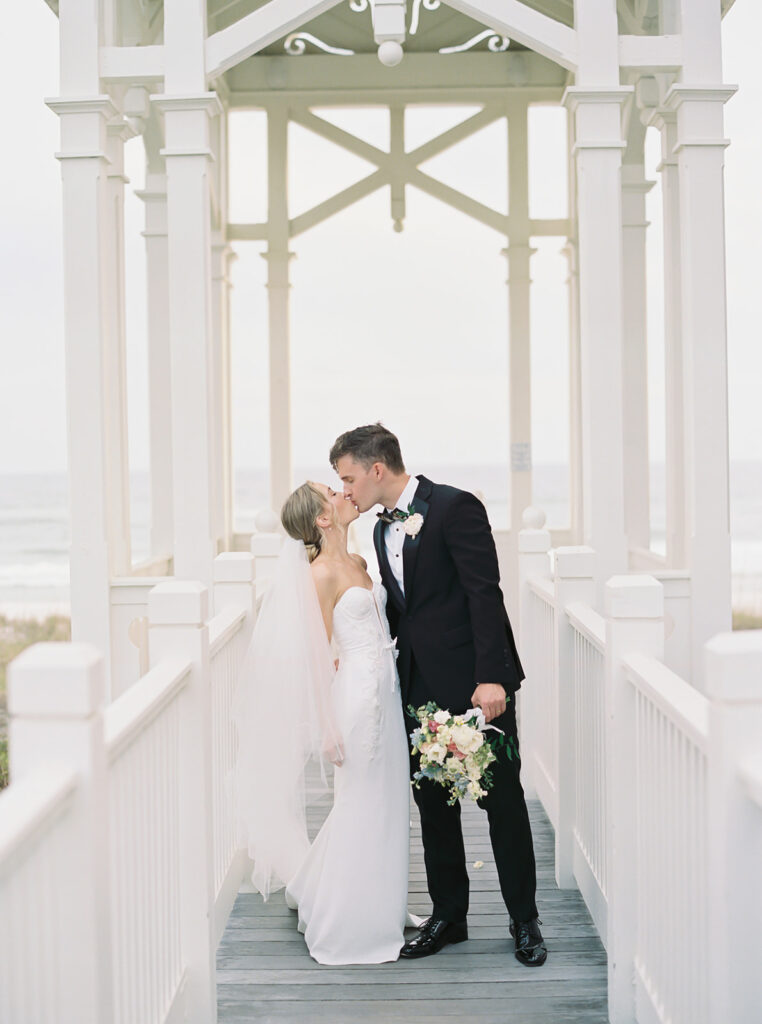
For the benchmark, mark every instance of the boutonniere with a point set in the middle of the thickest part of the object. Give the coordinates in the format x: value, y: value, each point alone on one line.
x: 413, y: 522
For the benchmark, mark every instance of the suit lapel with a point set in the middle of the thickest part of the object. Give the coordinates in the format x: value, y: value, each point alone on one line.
x: 412, y: 545
x: 387, y: 575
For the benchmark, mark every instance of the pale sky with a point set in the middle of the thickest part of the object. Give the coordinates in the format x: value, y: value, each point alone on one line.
x: 410, y: 328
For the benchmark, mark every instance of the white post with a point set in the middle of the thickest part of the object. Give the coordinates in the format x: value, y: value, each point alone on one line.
x: 574, y: 578
x: 265, y: 547
x: 634, y: 623
x: 234, y: 581
x: 635, y: 348
x: 177, y: 613
x: 519, y: 254
x: 278, y: 302
x: 84, y: 172
x: 734, y: 689
x: 188, y: 110
x: 117, y: 462
x: 222, y: 257
x: 595, y: 104
x: 159, y: 357
x: 533, y: 558
x: 55, y: 701
x: 666, y: 121
x: 698, y: 103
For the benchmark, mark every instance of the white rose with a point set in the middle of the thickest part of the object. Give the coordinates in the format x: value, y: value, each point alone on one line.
x: 462, y: 736
x: 436, y: 752
x: 441, y: 717
x: 413, y: 524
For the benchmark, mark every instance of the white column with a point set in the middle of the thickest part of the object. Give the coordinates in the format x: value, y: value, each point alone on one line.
x: 117, y: 461
x: 666, y: 121
x: 86, y: 237
x: 635, y: 351
x: 701, y: 154
x: 571, y: 251
x: 598, y: 157
x: 222, y: 257
x: 55, y: 701
x: 278, y: 303
x: 734, y: 688
x: 519, y: 254
x: 634, y: 608
x: 159, y: 359
x: 178, y: 612
x: 187, y: 156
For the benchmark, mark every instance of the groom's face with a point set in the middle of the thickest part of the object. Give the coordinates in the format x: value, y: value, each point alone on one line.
x: 361, y: 485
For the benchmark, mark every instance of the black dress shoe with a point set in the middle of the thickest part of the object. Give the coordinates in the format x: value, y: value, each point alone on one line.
x: 530, y: 945
x: 433, y: 935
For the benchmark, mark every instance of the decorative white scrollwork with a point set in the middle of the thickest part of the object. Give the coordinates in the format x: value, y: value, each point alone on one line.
x: 296, y: 44
x: 358, y: 6
x: 428, y: 5
x: 495, y: 43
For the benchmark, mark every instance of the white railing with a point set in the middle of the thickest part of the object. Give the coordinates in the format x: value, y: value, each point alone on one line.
x: 590, y: 863
x: 658, y: 803
x: 542, y: 624
x: 670, y: 773
x: 118, y: 863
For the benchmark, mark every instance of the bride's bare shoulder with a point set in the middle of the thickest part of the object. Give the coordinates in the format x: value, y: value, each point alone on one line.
x: 359, y: 559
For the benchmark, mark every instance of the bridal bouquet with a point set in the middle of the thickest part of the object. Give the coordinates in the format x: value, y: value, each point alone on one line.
x: 454, y: 750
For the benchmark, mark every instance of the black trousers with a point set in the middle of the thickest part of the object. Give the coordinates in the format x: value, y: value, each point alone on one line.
x: 509, y: 829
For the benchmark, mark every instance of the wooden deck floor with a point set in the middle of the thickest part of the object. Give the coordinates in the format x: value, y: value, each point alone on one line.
x: 264, y: 972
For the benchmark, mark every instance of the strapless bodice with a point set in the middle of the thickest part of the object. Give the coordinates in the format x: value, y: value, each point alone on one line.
x: 360, y: 623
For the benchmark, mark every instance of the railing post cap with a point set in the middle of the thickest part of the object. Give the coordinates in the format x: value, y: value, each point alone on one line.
x: 234, y: 567
x: 56, y: 679
x: 574, y: 563
x: 734, y: 666
x: 178, y: 603
x: 634, y: 597
x: 533, y: 518
x: 266, y: 521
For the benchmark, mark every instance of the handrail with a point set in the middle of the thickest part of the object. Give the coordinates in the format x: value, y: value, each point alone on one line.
x: 31, y: 805
x: 223, y: 625
x: 679, y: 701
x: 543, y: 588
x: 124, y: 720
x: 589, y: 623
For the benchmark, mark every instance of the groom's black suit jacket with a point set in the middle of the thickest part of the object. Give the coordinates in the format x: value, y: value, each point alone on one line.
x: 451, y: 620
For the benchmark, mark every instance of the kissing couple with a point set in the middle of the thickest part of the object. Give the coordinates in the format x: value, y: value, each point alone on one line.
x: 333, y: 665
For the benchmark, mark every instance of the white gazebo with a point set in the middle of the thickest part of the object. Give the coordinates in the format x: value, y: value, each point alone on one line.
x: 174, y: 71
x: 641, y: 717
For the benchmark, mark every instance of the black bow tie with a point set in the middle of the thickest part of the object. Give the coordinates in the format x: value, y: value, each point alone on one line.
x: 396, y: 515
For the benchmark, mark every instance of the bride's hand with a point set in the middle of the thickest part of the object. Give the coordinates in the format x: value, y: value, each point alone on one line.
x: 334, y: 752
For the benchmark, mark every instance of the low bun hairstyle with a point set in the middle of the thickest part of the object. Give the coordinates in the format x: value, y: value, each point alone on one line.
x: 299, y: 514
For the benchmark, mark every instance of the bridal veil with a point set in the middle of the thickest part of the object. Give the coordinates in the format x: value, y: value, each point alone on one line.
x: 284, y: 719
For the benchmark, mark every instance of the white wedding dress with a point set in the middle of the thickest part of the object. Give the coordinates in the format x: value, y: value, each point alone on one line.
x: 351, y: 888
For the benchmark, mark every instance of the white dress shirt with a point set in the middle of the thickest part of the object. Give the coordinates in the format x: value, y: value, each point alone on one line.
x: 395, y: 534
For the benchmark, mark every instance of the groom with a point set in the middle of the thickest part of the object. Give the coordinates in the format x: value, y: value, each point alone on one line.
x: 456, y: 648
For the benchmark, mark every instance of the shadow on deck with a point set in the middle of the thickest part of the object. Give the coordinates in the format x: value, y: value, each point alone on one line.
x: 264, y: 972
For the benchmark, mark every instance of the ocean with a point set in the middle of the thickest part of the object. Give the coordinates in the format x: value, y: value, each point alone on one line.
x: 34, y: 524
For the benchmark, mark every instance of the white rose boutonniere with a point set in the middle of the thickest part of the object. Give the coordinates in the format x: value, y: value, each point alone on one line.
x: 413, y: 524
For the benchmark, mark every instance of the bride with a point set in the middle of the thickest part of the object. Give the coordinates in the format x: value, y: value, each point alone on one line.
x: 294, y: 705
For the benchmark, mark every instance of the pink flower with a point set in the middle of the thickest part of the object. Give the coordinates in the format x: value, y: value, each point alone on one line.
x: 433, y: 726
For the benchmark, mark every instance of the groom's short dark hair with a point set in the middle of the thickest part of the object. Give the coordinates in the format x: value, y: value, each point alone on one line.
x: 367, y: 445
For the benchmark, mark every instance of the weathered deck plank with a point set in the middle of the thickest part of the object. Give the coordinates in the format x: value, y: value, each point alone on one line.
x: 265, y: 974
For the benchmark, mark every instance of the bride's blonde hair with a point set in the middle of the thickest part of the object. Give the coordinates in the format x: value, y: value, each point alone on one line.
x: 299, y: 517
